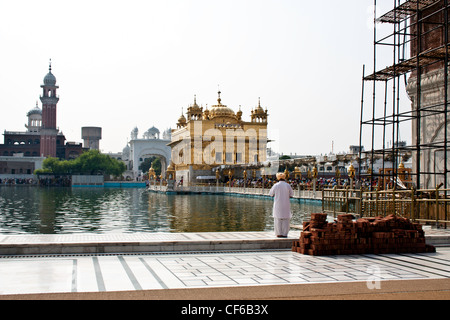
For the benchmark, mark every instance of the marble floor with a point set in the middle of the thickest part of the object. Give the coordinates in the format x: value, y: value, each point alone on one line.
x: 138, y: 271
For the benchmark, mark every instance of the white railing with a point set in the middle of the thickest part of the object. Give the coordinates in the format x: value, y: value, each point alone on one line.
x: 300, y: 194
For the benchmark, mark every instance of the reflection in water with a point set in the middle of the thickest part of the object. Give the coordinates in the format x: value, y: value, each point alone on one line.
x: 37, y: 210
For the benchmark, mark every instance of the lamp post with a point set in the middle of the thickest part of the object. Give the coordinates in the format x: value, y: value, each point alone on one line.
x: 262, y: 176
x: 170, y: 175
x: 286, y: 173
x: 217, y: 179
x: 351, y: 175
x: 254, y: 177
x: 314, y: 177
x: 338, y: 177
x: 151, y: 174
x: 369, y: 177
x: 245, y: 179
x: 298, y: 175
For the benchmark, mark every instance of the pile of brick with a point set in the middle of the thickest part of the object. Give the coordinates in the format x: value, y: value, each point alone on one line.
x: 389, y: 234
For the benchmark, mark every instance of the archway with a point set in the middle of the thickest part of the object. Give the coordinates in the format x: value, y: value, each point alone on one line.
x: 145, y: 148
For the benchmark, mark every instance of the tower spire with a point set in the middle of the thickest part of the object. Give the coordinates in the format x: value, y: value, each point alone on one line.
x: 218, y: 99
x: 50, y: 65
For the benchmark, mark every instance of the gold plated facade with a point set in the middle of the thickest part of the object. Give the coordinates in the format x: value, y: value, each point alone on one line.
x: 210, y: 138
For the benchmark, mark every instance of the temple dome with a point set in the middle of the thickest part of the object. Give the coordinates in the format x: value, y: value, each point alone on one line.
x: 152, y: 133
x: 182, y: 119
x: 259, y: 109
x: 221, y: 110
x: 126, y: 152
x: 35, y: 110
x: 50, y: 79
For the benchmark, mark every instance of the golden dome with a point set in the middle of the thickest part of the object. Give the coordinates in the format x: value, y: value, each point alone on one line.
x: 239, y: 114
x: 258, y: 109
x: 221, y: 110
x: 182, y: 119
x: 194, y: 107
x: 206, y: 114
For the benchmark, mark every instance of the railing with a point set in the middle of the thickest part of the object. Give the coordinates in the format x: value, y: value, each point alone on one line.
x: 300, y: 194
x: 424, y: 205
x: 338, y: 201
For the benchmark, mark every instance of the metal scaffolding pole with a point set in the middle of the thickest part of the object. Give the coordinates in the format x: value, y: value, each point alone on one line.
x: 414, y: 23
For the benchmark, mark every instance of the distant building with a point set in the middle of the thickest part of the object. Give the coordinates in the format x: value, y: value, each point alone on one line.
x: 42, y: 138
x: 140, y: 148
x: 91, y: 137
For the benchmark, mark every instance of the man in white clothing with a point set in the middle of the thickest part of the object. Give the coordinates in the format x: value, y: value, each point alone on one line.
x: 282, y: 192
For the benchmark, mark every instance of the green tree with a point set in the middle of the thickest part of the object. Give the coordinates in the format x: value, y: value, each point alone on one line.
x: 147, y: 163
x: 91, y: 162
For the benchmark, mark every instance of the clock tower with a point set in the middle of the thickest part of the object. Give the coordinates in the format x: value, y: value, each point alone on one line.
x: 49, y: 101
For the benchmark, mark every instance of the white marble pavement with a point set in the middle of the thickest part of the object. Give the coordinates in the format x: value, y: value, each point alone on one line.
x: 141, y: 261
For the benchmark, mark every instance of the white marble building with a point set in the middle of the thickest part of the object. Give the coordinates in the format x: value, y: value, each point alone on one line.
x: 140, y: 148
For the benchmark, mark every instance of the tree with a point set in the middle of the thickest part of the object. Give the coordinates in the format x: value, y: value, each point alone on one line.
x: 147, y: 163
x: 55, y: 166
x: 91, y: 162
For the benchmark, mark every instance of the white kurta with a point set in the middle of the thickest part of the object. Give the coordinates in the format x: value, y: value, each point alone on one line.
x: 282, y: 192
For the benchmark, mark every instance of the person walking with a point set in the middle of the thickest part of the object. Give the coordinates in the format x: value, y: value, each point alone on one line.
x: 282, y: 192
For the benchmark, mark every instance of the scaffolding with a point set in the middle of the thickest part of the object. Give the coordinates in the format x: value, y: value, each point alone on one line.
x: 419, y: 42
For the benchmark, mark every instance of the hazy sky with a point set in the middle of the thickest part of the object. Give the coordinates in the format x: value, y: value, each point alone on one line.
x: 122, y: 64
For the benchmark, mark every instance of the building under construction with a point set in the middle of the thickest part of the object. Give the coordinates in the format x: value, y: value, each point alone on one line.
x: 415, y: 34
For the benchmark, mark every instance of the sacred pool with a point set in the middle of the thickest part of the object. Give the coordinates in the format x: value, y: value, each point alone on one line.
x: 39, y: 210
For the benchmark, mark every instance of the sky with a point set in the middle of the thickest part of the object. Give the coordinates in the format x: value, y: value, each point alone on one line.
x: 139, y: 63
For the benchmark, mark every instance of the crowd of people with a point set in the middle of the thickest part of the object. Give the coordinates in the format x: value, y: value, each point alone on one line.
x: 296, y: 184
x: 16, y: 181
x: 55, y: 182
x: 47, y: 182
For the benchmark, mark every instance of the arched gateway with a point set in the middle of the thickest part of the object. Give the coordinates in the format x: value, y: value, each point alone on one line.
x: 147, y: 146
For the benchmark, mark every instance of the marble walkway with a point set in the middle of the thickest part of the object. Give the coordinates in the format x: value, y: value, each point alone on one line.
x: 269, y: 263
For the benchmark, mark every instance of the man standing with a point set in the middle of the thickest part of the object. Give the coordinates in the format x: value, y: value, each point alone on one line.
x: 282, y: 192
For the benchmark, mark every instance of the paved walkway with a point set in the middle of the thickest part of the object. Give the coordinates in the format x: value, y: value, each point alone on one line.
x: 221, y: 260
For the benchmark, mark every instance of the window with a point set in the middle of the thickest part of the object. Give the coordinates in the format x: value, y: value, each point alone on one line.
x: 218, y: 157
x: 229, y: 157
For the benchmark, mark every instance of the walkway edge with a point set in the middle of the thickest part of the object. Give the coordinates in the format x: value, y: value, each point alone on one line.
x: 161, y: 242
x: 428, y: 289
